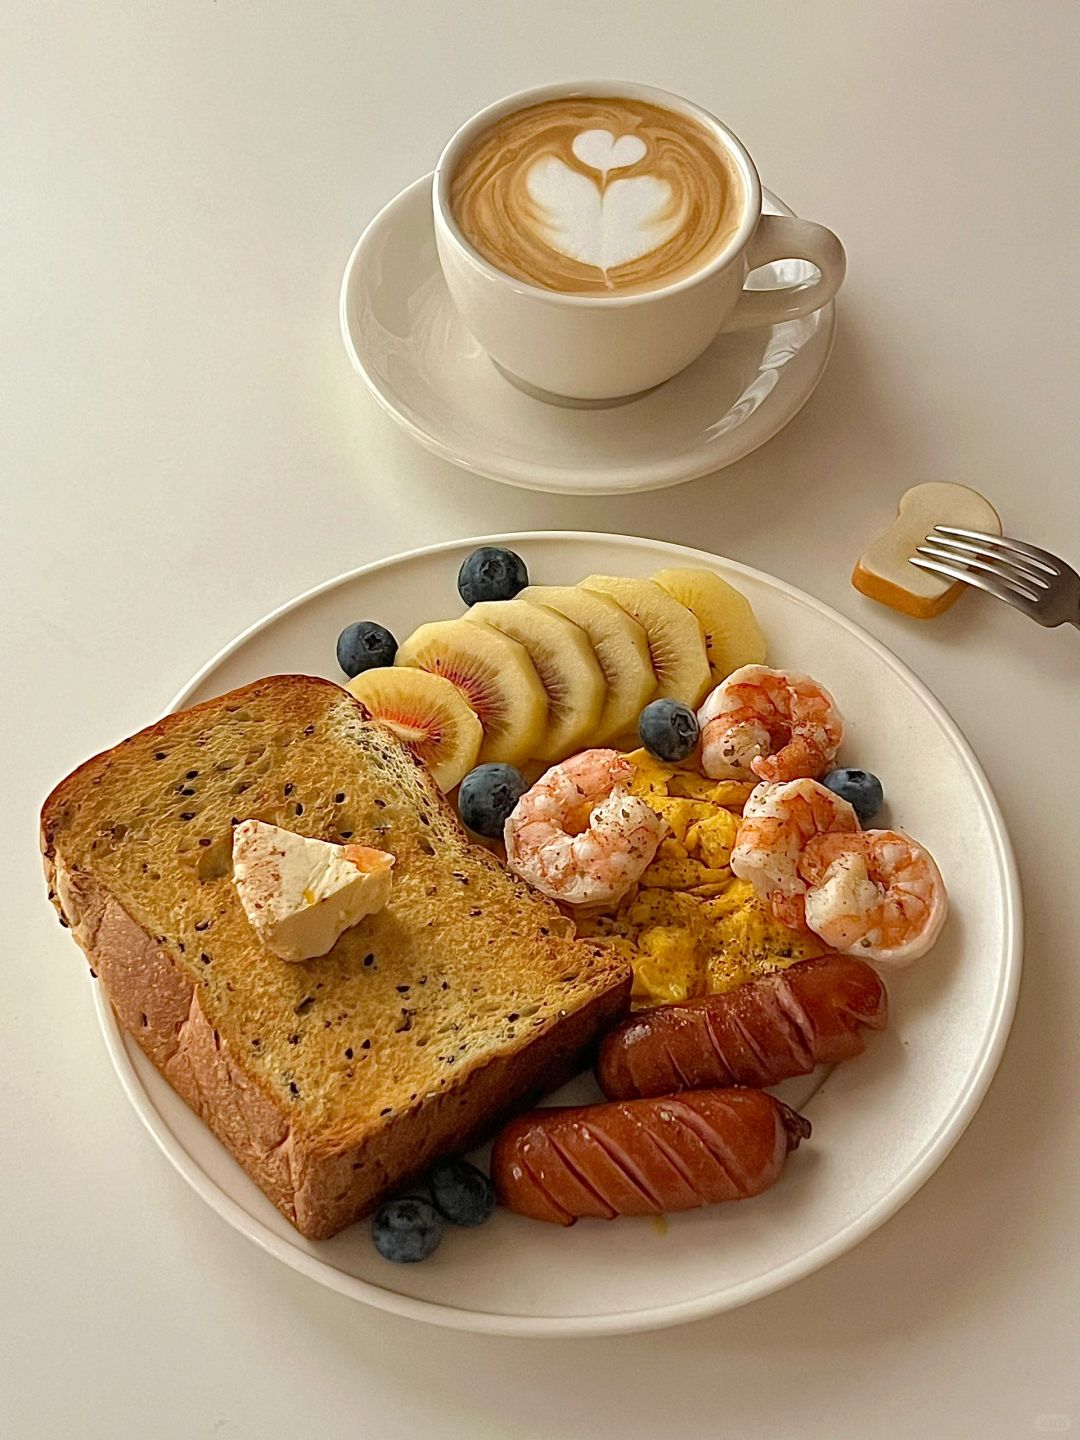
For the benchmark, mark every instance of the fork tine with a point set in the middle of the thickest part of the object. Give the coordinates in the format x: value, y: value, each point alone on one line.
x: 1003, y: 561
x: 981, y: 582
x: 1005, y: 542
x: 983, y: 567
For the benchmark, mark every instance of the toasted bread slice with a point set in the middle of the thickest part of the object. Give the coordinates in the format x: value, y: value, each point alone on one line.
x: 332, y: 1081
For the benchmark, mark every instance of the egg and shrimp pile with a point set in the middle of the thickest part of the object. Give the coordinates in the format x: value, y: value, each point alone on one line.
x: 686, y: 812
x: 690, y: 926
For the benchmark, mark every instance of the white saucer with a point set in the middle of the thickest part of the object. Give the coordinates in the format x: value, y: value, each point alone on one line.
x: 418, y: 360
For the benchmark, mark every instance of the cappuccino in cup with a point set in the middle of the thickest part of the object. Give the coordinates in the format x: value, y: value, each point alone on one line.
x: 596, y: 237
x: 597, y: 195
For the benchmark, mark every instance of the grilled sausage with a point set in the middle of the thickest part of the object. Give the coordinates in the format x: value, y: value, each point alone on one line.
x: 643, y: 1157
x: 765, y: 1031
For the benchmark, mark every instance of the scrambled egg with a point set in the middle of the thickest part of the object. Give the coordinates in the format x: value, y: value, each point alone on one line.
x: 690, y: 927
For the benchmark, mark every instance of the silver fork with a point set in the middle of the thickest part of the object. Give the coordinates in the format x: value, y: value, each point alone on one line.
x: 1030, y: 579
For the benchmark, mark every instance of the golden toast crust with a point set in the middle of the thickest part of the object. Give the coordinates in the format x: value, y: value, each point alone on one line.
x: 321, y: 1174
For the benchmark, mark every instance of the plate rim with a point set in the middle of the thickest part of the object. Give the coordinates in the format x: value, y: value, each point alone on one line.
x: 929, y: 1158
x: 535, y: 475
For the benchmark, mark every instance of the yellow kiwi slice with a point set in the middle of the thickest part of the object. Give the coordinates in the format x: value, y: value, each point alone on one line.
x: 732, y: 634
x: 429, y: 714
x: 621, y: 648
x: 569, y: 671
x: 495, y: 675
x: 676, y: 642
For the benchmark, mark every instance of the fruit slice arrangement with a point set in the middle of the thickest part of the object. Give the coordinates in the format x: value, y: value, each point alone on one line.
x: 534, y: 673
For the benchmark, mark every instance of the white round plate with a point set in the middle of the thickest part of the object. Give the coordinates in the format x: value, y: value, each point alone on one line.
x: 882, y: 1123
x: 406, y: 339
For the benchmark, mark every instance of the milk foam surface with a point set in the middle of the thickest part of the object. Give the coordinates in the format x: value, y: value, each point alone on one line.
x: 596, y: 195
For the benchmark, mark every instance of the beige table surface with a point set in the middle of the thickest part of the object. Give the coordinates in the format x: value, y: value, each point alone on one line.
x: 184, y: 446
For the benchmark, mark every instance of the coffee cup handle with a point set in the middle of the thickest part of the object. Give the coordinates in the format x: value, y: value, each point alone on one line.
x: 783, y: 237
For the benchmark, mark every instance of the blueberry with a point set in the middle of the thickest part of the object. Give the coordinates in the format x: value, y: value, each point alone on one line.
x: 668, y: 730
x: 861, y: 789
x: 491, y: 574
x: 364, y: 646
x: 463, y: 1193
x: 487, y: 796
x: 407, y: 1230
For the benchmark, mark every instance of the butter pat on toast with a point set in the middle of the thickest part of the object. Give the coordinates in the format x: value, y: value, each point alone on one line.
x: 883, y: 572
x: 335, y: 1080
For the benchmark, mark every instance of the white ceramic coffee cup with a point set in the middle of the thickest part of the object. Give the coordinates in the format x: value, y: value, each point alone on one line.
x: 604, y: 347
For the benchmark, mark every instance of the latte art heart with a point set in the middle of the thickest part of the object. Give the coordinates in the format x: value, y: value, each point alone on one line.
x: 605, y: 227
x: 600, y: 150
x: 596, y: 195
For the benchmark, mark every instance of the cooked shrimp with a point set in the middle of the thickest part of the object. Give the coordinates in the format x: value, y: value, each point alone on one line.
x: 579, y: 835
x: 878, y: 894
x: 776, y: 724
x: 778, y: 822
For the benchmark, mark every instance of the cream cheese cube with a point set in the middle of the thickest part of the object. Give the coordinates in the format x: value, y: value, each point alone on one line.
x: 301, y: 895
